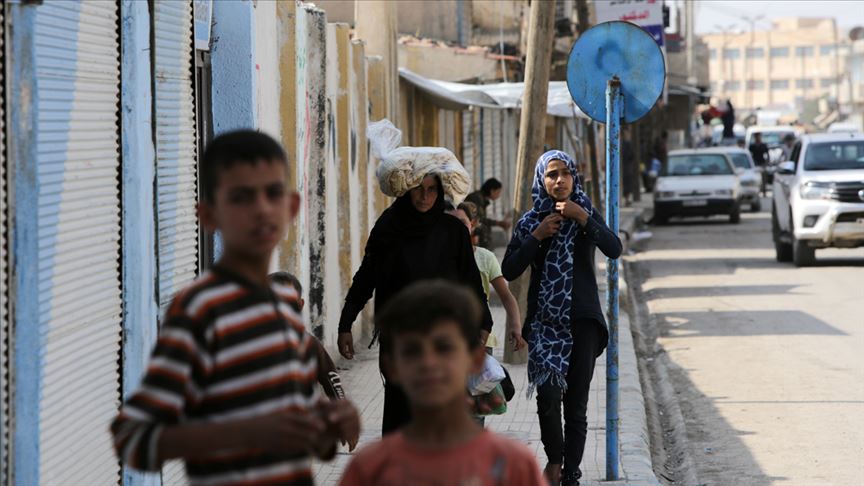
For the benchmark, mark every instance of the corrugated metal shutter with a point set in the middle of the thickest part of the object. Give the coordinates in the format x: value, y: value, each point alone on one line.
x: 176, y: 160
x: 78, y: 165
x: 4, y: 289
x: 497, y: 157
x: 468, y: 143
x: 488, y: 168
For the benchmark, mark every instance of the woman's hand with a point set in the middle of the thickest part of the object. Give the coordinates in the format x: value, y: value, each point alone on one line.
x: 571, y: 210
x: 548, y: 227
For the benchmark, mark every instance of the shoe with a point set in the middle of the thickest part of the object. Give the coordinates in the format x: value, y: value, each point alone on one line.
x: 571, y: 479
x: 552, y: 473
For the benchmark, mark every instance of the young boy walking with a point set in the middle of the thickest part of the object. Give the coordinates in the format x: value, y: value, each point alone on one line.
x: 430, y: 337
x: 230, y: 387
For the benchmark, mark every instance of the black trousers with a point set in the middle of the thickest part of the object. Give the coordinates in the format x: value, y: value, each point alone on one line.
x: 567, y: 445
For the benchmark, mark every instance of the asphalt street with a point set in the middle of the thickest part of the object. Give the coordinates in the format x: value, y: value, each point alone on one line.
x: 767, y: 360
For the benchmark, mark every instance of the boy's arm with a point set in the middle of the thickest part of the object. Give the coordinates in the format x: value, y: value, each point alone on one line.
x: 149, y: 429
x: 514, y: 320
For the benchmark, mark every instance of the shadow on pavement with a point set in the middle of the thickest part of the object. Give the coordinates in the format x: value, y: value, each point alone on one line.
x: 744, y: 323
x: 719, y: 291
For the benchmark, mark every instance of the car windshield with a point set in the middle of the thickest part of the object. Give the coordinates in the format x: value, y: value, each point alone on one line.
x: 697, y: 165
x: 741, y: 161
x: 773, y: 138
x: 838, y: 155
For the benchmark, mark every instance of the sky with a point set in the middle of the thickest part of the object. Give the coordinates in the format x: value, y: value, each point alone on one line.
x: 712, y: 13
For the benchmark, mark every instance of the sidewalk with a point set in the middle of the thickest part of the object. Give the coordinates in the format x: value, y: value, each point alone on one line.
x: 363, y: 385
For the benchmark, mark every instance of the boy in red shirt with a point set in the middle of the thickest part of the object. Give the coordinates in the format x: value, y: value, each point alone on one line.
x: 430, y: 337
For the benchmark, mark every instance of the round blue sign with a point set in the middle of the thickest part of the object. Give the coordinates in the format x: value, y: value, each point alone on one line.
x: 617, y: 49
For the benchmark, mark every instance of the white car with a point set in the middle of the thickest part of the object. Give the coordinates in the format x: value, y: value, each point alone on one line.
x: 699, y: 182
x: 749, y: 175
x: 819, y: 197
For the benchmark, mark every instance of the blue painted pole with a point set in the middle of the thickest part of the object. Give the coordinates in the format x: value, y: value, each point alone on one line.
x: 614, y: 111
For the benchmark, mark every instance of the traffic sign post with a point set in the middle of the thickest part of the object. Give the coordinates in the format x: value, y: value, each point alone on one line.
x: 615, y: 72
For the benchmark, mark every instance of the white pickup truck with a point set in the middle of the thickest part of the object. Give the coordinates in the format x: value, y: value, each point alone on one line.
x: 819, y: 197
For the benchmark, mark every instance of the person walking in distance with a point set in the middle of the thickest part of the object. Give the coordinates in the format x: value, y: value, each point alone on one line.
x: 564, y: 324
x: 490, y: 191
x: 759, y: 151
x: 412, y: 240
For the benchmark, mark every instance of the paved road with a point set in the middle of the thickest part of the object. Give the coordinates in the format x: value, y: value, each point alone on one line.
x: 767, y: 360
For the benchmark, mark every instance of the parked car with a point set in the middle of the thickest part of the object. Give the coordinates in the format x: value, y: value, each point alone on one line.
x: 700, y: 182
x: 819, y: 197
x: 749, y: 176
x: 843, y: 127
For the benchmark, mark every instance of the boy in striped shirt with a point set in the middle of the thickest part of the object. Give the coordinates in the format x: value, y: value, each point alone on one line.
x: 231, y: 385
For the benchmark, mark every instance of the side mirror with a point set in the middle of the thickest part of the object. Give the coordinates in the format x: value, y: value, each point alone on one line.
x: 739, y: 170
x: 787, y: 168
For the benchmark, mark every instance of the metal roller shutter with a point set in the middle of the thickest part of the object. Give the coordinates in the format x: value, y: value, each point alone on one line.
x: 78, y: 164
x: 4, y: 289
x: 176, y: 161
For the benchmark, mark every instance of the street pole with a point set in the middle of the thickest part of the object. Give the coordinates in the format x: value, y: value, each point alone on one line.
x: 532, y: 131
x: 614, y: 111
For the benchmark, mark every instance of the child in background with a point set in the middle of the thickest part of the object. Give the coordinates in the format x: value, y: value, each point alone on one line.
x: 328, y: 377
x: 230, y: 386
x: 430, y: 344
x: 490, y: 273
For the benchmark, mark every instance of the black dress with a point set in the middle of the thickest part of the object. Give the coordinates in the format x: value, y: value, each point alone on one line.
x: 406, y: 246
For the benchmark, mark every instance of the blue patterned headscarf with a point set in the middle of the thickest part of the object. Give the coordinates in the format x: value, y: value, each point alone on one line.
x: 550, y: 339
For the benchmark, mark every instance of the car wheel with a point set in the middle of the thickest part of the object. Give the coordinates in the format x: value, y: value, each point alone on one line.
x: 782, y: 250
x: 756, y: 206
x: 803, y: 254
x: 735, y: 215
x: 660, y: 219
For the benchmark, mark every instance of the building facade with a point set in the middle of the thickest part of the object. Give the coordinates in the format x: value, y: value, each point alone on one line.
x: 798, y: 60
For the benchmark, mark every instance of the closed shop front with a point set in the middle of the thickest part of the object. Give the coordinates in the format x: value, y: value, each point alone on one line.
x: 176, y: 160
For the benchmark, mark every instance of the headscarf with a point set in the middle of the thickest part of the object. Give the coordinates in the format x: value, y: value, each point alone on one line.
x: 402, y: 219
x: 551, y: 339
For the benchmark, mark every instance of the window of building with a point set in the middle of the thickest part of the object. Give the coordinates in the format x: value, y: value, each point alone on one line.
x: 826, y: 50
x: 779, y: 84
x: 779, y: 52
x: 804, y: 51
x: 732, y: 85
x: 755, y: 53
x: 755, y: 84
x: 713, y: 54
x: 731, y: 53
x: 803, y: 83
x: 827, y: 82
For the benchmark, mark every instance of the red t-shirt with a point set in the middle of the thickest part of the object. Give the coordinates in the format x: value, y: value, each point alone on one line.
x: 487, y: 459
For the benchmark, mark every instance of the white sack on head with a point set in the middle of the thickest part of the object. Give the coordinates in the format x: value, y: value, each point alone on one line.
x: 403, y: 168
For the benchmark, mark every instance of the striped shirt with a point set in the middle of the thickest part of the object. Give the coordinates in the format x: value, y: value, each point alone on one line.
x: 227, y: 350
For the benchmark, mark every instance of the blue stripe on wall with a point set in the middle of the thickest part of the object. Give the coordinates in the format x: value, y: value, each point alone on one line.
x: 140, y: 307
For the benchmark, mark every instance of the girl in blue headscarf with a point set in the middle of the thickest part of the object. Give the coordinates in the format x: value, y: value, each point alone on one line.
x: 564, y: 325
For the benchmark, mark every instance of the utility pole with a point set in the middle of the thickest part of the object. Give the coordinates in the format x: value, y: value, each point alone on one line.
x: 532, y: 129
x: 584, y: 22
x: 748, y: 64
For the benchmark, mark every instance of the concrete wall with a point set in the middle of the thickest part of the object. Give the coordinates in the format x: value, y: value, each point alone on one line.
x: 321, y: 95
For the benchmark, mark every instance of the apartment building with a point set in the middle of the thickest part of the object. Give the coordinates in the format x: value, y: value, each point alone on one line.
x: 798, y: 60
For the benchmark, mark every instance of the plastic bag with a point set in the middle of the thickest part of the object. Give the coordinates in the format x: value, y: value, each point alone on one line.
x: 403, y: 168
x: 492, y: 403
x: 488, y: 378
